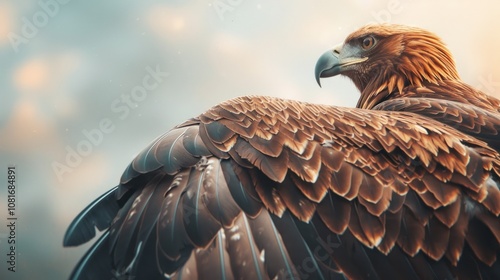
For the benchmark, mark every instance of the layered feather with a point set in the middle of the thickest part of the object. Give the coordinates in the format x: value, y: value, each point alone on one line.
x: 266, y: 188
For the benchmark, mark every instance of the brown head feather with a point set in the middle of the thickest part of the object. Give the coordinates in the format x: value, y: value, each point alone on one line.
x: 402, y: 56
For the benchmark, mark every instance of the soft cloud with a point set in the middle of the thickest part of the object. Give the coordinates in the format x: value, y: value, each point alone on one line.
x: 173, y: 23
x: 32, y: 76
x: 6, y: 26
x: 27, y: 130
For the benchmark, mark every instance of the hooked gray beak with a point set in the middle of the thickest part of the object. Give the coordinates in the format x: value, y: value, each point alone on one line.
x: 328, y: 65
x: 336, y: 61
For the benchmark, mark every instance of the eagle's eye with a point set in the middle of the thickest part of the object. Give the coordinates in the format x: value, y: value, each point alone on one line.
x: 368, y: 42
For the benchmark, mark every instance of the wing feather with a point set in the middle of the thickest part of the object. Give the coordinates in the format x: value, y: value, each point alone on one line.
x: 214, y: 262
x: 243, y: 190
x: 240, y: 186
x: 303, y: 258
x: 247, y: 260
x: 200, y: 225
x: 267, y: 238
x: 217, y: 196
x: 170, y: 230
x: 96, y: 263
x: 98, y: 214
x: 129, y: 229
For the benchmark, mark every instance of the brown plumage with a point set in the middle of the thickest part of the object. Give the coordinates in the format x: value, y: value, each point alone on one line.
x: 405, y: 186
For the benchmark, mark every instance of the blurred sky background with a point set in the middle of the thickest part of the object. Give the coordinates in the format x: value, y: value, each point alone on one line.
x: 63, y: 74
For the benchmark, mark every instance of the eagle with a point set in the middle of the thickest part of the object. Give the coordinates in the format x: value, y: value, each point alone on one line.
x: 404, y: 186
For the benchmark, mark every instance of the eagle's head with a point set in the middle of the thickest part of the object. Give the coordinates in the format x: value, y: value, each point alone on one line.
x: 388, y: 57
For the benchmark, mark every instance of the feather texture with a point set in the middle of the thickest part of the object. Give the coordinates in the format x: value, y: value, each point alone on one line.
x: 98, y: 214
x: 404, y: 186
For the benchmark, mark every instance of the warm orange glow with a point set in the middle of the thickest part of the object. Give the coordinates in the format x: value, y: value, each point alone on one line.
x: 32, y: 75
x: 6, y: 25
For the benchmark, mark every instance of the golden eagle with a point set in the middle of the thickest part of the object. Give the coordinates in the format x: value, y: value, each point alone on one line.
x: 406, y: 186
